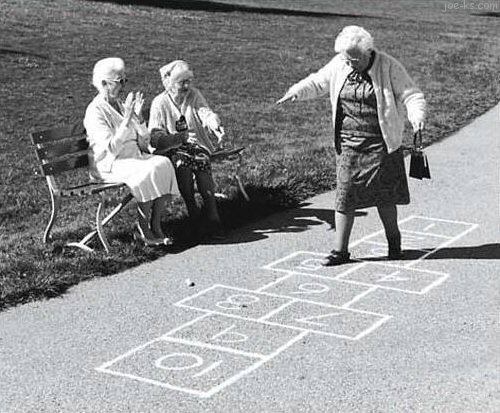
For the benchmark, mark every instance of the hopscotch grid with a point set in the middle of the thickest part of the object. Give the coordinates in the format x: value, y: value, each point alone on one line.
x: 126, y: 354
x: 291, y: 327
x: 424, y: 290
x: 213, y: 347
x: 255, y: 366
x: 450, y: 221
x: 182, y: 326
x: 445, y: 244
x: 275, y: 295
x: 373, y: 327
x: 303, y: 332
x: 360, y: 296
x: 277, y: 281
x: 154, y: 382
x: 181, y: 302
x: 293, y: 254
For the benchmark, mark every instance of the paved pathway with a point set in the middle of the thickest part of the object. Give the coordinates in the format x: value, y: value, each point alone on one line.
x: 266, y: 329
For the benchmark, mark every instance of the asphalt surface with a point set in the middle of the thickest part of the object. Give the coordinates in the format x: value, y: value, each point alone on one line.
x: 265, y: 329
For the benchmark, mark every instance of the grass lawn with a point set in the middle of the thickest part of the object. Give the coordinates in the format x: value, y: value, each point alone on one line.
x: 243, y: 62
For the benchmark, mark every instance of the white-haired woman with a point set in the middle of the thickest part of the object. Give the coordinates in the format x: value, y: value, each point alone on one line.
x: 368, y: 92
x: 180, y: 118
x: 118, y: 141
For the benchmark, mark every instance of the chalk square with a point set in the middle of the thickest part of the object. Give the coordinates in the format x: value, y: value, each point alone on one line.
x: 318, y: 289
x: 393, y: 277
x: 329, y: 320
x: 229, y: 333
x: 370, y: 251
x: 435, y: 226
x: 306, y: 262
x: 237, y: 302
x: 181, y: 367
x: 411, y: 241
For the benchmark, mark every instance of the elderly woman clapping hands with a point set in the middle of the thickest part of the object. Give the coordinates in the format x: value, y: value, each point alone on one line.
x: 118, y: 140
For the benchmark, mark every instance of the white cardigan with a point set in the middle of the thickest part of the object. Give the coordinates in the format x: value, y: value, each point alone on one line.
x: 393, y: 89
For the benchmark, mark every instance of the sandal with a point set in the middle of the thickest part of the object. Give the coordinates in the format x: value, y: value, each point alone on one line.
x: 336, y: 258
x: 151, y: 242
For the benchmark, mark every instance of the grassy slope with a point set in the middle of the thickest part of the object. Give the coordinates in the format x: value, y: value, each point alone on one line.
x: 243, y: 63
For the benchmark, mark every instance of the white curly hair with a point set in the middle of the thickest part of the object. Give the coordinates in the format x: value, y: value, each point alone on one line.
x: 105, y: 69
x: 354, y: 37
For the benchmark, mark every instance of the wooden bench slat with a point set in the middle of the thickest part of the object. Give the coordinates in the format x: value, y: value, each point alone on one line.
x: 67, y: 147
x: 57, y: 167
x: 52, y: 135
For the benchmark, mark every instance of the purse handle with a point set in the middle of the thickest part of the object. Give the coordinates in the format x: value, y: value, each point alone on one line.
x: 417, y: 140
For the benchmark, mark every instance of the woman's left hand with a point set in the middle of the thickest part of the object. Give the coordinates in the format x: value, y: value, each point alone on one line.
x: 417, y: 126
x: 220, y: 134
x: 139, y: 103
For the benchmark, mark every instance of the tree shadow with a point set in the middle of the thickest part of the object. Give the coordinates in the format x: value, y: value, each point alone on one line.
x: 218, y: 7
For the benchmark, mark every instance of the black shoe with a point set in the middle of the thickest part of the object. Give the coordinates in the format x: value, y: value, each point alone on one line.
x: 394, y: 244
x: 336, y: 258
x: 395, y: 254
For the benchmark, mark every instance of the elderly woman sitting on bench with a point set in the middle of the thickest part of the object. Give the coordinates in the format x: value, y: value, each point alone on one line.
x: 181, y: 120
x: 118, y: 141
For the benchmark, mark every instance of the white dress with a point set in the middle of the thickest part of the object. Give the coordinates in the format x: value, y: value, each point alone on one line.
x: 115, y: 155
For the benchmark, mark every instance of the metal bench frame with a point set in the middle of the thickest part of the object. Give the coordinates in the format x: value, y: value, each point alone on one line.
x: 66, y: 149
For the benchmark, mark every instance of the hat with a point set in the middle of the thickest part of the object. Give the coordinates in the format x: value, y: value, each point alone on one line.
x: 178, y: 69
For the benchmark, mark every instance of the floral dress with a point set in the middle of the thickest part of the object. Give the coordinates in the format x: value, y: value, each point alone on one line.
x: 367, y: 175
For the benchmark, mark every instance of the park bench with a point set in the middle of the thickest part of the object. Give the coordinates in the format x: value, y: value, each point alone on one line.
x: 65, y: 150
x: 62, y: 151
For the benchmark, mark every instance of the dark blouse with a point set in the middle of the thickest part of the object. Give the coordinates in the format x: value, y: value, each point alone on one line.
x: 357, y: 119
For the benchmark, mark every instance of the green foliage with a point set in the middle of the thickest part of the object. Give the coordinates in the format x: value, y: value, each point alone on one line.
x: 243, y: 63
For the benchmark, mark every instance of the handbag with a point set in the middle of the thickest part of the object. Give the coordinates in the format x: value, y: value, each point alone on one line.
x: 419, y: 164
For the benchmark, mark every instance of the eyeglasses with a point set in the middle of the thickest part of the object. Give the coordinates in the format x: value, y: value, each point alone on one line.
x: 121, y: 81
x: 350, y: 59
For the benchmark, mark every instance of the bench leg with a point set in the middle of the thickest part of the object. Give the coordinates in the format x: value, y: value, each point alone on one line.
x: 56, y: 203
x: 100, y: 223
x: 241, y: 187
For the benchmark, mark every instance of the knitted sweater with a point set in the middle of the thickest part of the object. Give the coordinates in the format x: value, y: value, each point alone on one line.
x: 393, y: 89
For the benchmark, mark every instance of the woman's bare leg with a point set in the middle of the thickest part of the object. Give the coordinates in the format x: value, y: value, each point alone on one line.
x: 344, y: 222
x: 389, y: 217
x: 144, y: 219
x: 157, y: 214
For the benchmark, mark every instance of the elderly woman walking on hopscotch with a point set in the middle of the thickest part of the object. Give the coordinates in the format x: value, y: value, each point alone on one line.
x: 368, y: 92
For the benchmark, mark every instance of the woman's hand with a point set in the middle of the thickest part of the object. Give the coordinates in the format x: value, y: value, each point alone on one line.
x: 128, y: 107
x: 220, y: 134
x: 292, y: 97
x: 138, y: 104
x: 417, y: 126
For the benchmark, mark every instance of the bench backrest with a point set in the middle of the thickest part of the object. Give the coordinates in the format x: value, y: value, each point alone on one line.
x: 61, y: 149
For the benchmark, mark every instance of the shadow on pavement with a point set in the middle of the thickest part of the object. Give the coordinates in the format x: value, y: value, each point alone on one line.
x: 480, y: 252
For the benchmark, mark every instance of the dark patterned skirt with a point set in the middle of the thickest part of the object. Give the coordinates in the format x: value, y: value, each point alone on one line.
x: 191, y: 156
x: 370, y: 177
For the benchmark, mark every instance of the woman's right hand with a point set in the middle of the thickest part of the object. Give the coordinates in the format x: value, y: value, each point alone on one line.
x: 288, y: 97
x: 128, y: 107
